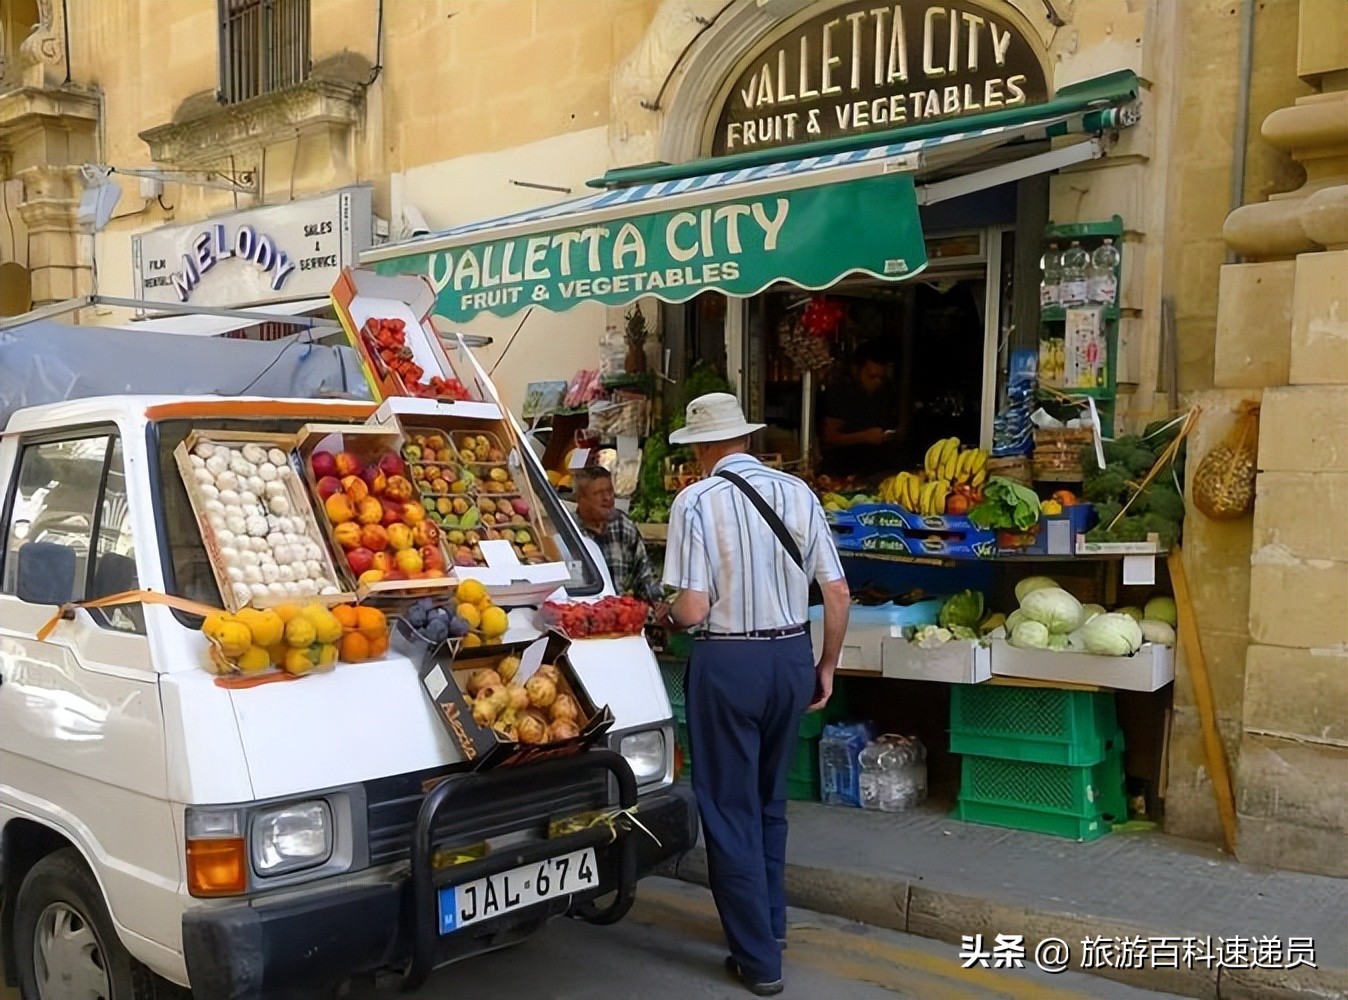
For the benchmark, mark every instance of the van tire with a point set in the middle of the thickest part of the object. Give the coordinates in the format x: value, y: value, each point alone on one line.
x: 63, y: 881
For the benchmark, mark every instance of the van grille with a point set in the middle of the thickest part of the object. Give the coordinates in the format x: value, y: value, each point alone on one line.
x: 524, y: 803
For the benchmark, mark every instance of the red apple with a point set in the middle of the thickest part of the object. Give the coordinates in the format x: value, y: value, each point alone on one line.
x: 432, y: 557
x: 394, y: 513
x: 374, y: 479
x: 360, y: 559
x: 383, y: 561
x: 323, y: 464
x: 327, y: 486
x: 348, y: 464
x: 392, y: 465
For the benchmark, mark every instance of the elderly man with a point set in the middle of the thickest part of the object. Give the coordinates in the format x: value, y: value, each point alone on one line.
x: 617, y: 537
x: 744, y: 546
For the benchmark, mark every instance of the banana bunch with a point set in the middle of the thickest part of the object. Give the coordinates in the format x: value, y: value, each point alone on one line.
x: 946, y: 460
x: 931, y: 499
x: 902, y: 490
x: 836, y: 502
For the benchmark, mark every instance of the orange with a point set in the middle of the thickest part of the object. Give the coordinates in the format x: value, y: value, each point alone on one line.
x: 355, y: 648
x: 470, y: 592
x: 472, y: 640
x: 470, y: 614
x: 379, y: 647
x: 370, y: 619
x: 347, y: 614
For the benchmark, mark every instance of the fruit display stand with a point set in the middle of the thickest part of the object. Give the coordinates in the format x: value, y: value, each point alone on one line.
x: 259, y: 528
x: 379, y: 531
x: 511, y: 570
x: 411, y: 359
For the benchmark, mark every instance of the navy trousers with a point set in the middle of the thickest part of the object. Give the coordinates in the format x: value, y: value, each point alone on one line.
x: 746, y: 699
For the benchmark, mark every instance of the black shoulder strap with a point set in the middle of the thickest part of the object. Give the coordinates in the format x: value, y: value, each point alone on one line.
x: 769, y: 515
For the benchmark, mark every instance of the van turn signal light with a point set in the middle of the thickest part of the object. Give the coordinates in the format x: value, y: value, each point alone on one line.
x: 217, y: 866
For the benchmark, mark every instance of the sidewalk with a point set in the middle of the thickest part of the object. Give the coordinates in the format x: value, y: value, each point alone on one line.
x: 929, y: 875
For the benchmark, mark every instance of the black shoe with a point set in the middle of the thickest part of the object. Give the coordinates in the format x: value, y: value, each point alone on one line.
x: 757, y: 989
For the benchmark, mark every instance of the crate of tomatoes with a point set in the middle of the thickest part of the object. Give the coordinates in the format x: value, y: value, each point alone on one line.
x: 386, y: 339
x: 607, y: 618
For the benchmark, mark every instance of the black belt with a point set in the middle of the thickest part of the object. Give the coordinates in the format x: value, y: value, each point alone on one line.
x: 790, y: 632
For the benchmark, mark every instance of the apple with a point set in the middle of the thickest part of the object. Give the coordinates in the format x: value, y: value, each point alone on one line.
x: 348, y: 464
x: 400, y: 537
x: 328, y: 485
x: 347, y: 535
x: 396, y: 513
x: 521, y: 506
x: 355, y: 488
x: 323, y: 464
x: 374, y: 537
x: 370, y: 511
x: 360, y: 559
x: 339, y: 508
x: 383, y: 561
x: 409, y: 561
x: 391, y: 465
x: 432, y: 557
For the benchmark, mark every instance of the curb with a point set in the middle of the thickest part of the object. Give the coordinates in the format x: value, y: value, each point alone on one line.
x: 897, y: 904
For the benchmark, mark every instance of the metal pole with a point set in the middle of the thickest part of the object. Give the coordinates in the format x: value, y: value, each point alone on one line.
x: 807, y: 421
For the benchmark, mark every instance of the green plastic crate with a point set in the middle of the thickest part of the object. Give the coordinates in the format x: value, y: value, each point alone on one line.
x: 1043, y: 797
x: 1038, y: 725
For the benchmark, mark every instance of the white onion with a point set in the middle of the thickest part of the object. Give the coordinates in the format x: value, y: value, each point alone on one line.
x: 209, y: 491
x: 218, y: 465
x: 235, y: 574
x: 240, y: 467
x: 242, y: 593
x: 314, y: 568
x: 252, y: 574
x: 279, y: 505
x: 259, y: 589
x: 277, y: 457
x: 285, y: 471
x: 257, y: 525
x: 328, y: 591
x: 197, y: 461
x: 236, y: 523
x: 312, y: 551
x: 254, y: 453
x: 270, y: 574
x: 286, y: 574
x: 230, y: 498
x: 282, y: 524
x: 282, y: 554
x: 225, y: 538
x: 276, y: 589
x: 216, y: 521
x: 203, y: 476
x: 274, y: 539
x: 229, y: 555
x: 213, y: 507
x: 291, y: 589
x: 267, y: 472
x: 256, y: 485
x: 260, y: 545
x: 204, y: 450
x: 276, y: 489
x: 249, y: 499
x: 227, y: 481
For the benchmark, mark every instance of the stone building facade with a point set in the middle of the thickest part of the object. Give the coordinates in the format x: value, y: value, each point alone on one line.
x: 465, y: 109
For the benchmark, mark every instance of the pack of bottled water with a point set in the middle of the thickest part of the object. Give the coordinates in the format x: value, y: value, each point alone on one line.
x: 893, y: 773
x: 840, y: 749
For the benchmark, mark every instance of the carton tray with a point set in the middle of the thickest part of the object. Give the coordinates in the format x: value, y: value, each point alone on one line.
x: 1149, y: 669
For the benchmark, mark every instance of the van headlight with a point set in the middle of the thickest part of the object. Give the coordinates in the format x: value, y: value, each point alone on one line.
x: 291, y: 838
x: 644, y: 753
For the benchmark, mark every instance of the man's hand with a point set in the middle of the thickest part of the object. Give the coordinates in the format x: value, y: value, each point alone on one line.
x: 823, y: 686
x: 874, y: 435
x: 661, y: 612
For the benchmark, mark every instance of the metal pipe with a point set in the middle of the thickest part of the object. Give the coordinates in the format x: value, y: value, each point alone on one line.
x: 807, y: 420
x: 1242, y: 129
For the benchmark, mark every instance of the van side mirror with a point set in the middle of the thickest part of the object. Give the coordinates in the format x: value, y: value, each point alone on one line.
x: 46, y: 573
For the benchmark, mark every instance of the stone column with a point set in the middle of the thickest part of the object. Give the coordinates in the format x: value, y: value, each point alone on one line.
x: 1286, y: 333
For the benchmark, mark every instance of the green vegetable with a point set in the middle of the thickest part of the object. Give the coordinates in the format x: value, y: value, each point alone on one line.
x: 1089, y: 611
x: 1030, y: 584
x: 1134, y: 613
x: 1112, y: 635
x: 1161, y: 633
x: 1162, y: 609
x: 1054, y: 608
x: 961, y: 632
x: 965, y: 609
x: 1057, y: 643
x: 1006, y: 505
x: 1030, y: 635
x: 1107, y: 485
x: 1131, y: 452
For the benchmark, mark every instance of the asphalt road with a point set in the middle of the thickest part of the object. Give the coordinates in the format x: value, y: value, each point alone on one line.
x: 670, y: 946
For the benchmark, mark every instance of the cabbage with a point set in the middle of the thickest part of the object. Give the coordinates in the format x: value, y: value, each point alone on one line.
x: 1112, y: 635
x: 1089, y: 611
x: 1158, y: 632
x: 1161, y: 609
x: 1053, y: 607
x: 1057, y: 642
x: 931, y: 636
x: 1030, y: 635
x: 1032, y: 583
x: 1134, y: 613
x: 965, y: 608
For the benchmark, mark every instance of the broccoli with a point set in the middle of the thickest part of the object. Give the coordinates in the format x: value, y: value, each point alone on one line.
x: 1167, y: 530
x: 1106, y: 484
x: 1132, y: 452
x: 1107, y: 511
x: 1162, y: 499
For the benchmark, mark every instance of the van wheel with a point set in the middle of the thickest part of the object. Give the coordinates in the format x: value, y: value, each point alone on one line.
x: 64, y: 941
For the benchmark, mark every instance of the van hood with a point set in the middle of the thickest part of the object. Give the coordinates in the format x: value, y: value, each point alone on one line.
x: 353, y: 724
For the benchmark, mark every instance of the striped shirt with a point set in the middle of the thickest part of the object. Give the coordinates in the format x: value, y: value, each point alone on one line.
x: 720, y: 545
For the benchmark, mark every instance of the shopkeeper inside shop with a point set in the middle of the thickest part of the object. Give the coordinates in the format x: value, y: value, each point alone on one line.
x: 862, y: 433
x: 629, y: 564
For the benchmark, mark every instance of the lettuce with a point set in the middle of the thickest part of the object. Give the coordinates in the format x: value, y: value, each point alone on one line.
x: 1006, y: 505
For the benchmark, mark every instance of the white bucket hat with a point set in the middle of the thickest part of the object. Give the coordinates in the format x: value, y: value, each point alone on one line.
x: 714, y: 417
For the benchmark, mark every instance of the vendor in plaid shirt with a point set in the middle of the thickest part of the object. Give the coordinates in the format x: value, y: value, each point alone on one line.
x: 616, y: 535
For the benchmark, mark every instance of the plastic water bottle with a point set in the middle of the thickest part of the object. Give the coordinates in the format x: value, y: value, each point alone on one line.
x: 840, y: 747
x: 893, y: 773
x: 1075, y: 287
x: 1102, y: 278
x: 1050, y: 269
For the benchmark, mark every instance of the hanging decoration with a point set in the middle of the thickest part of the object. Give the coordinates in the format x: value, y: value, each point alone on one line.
x: 806, y: 338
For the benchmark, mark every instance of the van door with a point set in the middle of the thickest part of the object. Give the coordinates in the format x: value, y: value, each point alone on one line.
x: 81, y: 732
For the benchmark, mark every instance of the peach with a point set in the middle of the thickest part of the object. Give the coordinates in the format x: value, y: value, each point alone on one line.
x: 348, y: 464
x: 355, y: 488
x: 324, y: 464
x: 347, y: 535
x: 339, y: 508
x: 400, y: 537
x: 383, y: 561
x: 414, y: 513
x: 372, y: 576
x: 370, y: 511
x: 327, y: 486
x: 409, y: 561
x: 374, y: 537
x: 360, y: 560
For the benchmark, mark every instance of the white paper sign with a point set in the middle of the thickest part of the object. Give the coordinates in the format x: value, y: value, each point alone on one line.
x: 435, y: 681
x: 1139, y: 571
x: 531, y: 660
x: 579, y: 456
x: 499, y: 554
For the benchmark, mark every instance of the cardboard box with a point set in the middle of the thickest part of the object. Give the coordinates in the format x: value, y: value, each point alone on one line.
x: 444, y: 671
x: 891, y: 529
x: 1054, y: 535
x: 361, y: 294
x: 955, y: 662
x: 1149, y: 669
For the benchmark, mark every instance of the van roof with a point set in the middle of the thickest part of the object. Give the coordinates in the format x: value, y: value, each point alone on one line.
x: 138, y: 409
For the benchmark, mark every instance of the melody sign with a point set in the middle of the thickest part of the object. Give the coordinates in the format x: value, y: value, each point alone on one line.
x: 212, y: 246
x: 809, y: 236
x: 868, y: 66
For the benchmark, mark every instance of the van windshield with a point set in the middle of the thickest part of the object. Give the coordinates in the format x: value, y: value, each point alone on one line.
x: 187, y: 569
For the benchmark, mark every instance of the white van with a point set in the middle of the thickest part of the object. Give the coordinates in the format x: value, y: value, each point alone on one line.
x: 126, y: 772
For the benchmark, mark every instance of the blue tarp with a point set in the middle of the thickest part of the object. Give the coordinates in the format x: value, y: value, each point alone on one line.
x: 49, y: 362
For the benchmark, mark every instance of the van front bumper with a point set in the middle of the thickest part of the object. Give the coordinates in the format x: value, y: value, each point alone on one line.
x: 315, y: 942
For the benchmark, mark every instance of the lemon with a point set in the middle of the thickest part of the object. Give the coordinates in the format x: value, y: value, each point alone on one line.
x: 494, y: 623
x: 233, y: 638
x: 470, y: 614
x: 472, y: 640
x: 255, y: 659
x: 326, y: 625
x: 288, y: 612
x: 327, y: 656
x: 300, y: 634
x: 297, y: 661
x: 265, y: 626
x: 471, y: 591
x: 210, y: 628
